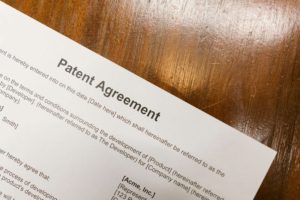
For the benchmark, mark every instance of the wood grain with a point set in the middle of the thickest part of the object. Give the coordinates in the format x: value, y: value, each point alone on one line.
x: 236, y: 60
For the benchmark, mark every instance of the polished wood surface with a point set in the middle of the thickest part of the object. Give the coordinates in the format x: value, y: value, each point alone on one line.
x: 236, y: 60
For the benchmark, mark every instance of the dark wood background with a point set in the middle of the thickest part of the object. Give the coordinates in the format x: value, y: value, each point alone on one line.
x: 238, y: 60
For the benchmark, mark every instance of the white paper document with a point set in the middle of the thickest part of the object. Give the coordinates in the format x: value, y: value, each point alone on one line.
x: 76, y: 126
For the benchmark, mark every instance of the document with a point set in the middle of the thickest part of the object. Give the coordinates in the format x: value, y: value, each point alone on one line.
x: 76, y: 126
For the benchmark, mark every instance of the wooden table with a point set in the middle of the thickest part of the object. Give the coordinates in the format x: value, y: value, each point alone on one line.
x: 238, y: 60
